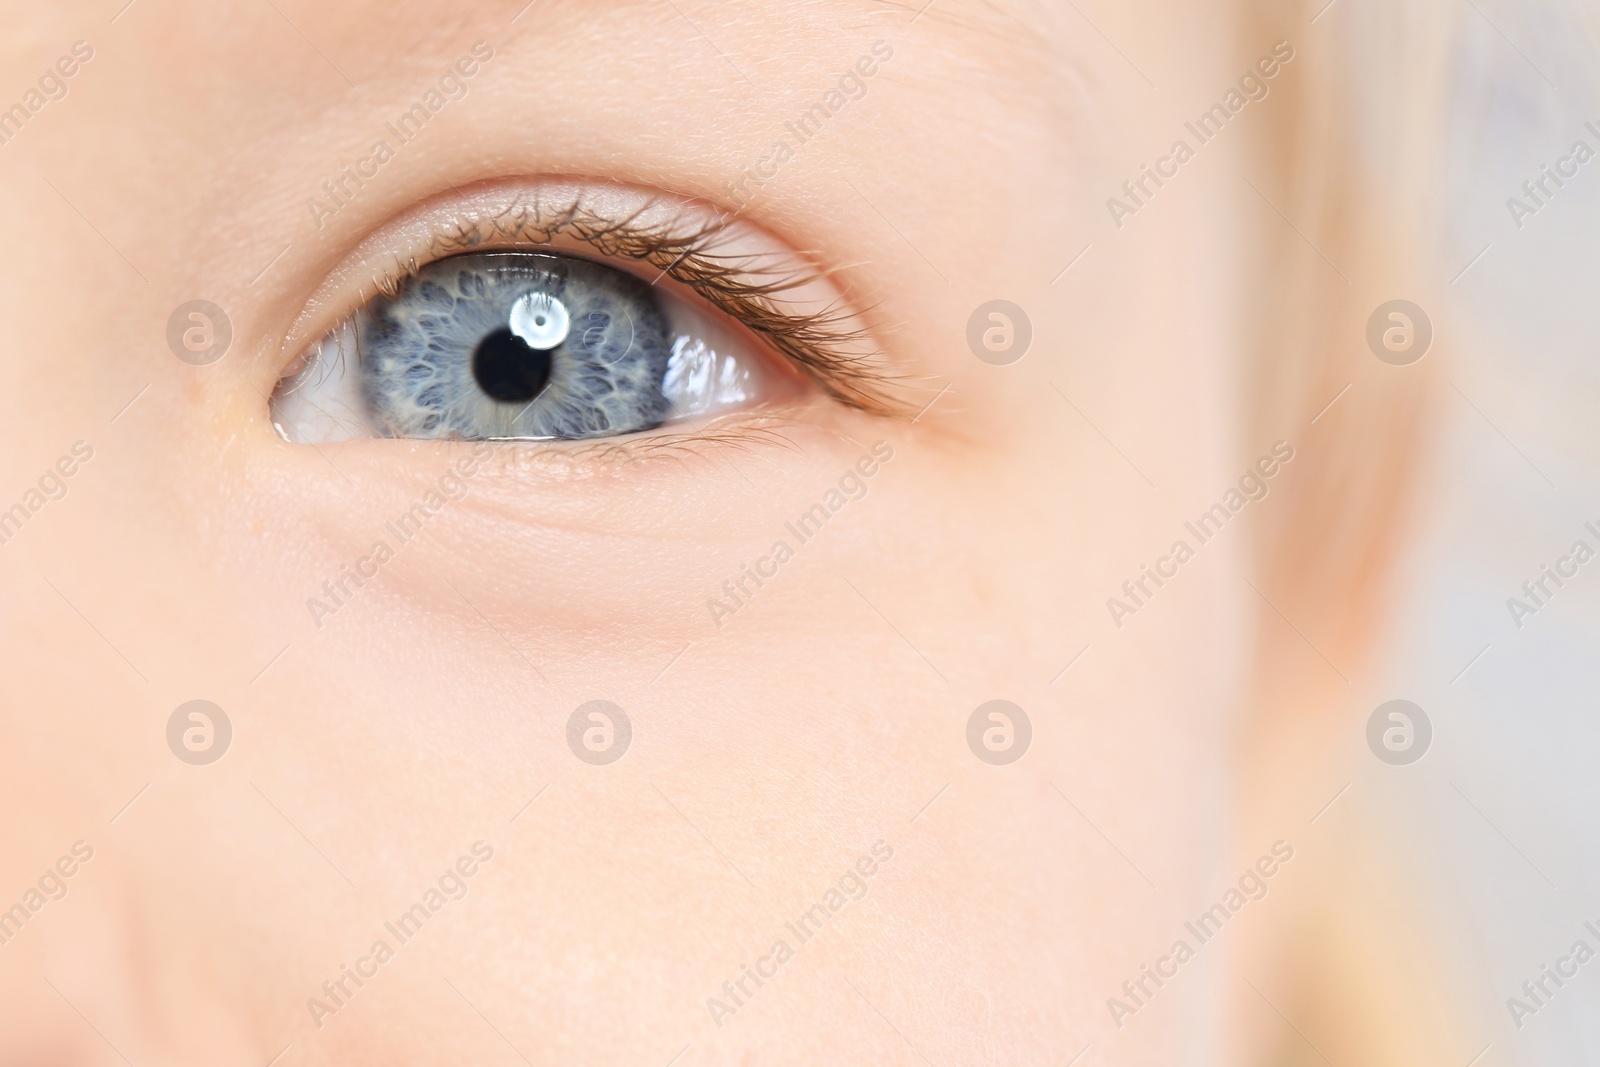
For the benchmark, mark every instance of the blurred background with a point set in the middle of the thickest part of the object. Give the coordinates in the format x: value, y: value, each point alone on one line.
x: 1503, y: 814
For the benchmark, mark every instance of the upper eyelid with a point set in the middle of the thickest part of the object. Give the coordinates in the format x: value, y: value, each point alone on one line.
x: 827, y: 344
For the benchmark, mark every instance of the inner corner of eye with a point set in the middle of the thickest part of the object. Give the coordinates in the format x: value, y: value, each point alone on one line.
x: 515, y: 345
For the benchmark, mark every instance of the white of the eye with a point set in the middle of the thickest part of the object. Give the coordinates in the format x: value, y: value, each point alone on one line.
x: 700, y: 379
x: 540, y: 320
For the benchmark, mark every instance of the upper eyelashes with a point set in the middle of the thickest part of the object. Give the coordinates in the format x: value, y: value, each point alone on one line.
x: 759, y: 291
x: 492, y: 330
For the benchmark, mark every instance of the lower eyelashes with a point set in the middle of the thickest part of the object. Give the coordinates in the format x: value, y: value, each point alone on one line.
x: 507, y: 345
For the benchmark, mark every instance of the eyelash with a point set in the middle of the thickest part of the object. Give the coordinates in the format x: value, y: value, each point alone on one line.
x: 826, y: 345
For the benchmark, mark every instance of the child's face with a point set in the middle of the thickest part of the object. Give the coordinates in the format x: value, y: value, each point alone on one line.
x: 404, y: 636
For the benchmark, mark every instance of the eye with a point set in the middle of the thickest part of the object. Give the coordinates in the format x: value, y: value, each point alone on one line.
x: 531, y: 345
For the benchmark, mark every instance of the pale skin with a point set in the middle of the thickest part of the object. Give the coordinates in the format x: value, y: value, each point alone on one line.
x: 771, y: 748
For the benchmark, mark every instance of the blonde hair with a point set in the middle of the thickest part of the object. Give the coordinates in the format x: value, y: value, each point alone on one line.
x: 1350, y: 158
x: 1356, y: 241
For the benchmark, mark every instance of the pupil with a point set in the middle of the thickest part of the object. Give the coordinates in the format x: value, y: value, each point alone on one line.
x: 509, y: 370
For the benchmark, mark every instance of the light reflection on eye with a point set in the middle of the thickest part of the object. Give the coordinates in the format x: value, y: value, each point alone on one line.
x: 519, y: 345
x: 540, y: 320
x: 700, y: 379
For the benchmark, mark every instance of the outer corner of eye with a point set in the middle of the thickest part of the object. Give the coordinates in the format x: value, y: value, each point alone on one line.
x: 523, y: 345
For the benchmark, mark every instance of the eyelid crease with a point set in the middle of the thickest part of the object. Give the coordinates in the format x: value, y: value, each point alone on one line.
x: 826, y: 344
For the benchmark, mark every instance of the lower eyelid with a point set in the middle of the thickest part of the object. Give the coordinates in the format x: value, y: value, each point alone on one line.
x: 667, y: 449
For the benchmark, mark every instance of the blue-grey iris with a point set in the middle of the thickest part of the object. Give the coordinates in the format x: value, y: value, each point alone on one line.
x: 516, y: 344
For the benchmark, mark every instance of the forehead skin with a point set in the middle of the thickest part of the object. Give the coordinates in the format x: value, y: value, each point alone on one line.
x: 372, y: 751
x: 186, y: 154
